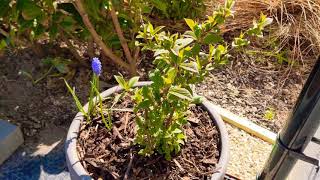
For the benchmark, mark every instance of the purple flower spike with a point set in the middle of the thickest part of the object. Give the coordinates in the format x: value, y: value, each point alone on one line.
x: 96, y: 66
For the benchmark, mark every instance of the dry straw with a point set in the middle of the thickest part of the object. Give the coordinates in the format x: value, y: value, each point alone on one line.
x: 296, y: 23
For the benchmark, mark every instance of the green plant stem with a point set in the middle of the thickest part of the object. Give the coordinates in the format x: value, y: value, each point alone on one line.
x: 91, y: 96
x: 95, y: 86
x: 168, y: 121
x: 43, y: 76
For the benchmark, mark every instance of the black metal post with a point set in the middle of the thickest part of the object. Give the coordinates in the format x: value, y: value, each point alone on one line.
x: 298, y: 131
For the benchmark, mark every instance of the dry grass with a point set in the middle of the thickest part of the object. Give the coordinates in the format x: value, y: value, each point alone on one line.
x: 296, y: 24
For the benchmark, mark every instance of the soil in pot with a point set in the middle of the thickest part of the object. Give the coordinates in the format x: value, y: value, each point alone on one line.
x: 112, y: 154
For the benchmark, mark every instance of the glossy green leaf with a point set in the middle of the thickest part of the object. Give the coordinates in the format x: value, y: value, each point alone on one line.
x: 122, y: 82
x: 75, y: 98
x: 176, y: 131
x: 3, y: 44
x: 212, y: 38
x: 190, y: 23
x: 170, y: 76
x: 160, y: 51
x: 161, y: 5
x: 181, y: 93
x: 133, y: 81
x: 31, y: 10
x: 181, y: 43
x: 191, y: 66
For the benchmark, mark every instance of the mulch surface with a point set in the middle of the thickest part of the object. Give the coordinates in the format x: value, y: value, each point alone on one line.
x: 113, y: 154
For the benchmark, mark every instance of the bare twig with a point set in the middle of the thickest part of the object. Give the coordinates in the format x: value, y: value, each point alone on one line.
x: 136, y: 54
x: 179, y: 165
x: 107, y: 51
x: 170, y: 118
x: 192, y: 163
x: 3, y: 32
x: 126, y: 175
x: 126, y: 122
x: 123, y: 41
x: 117, y: 133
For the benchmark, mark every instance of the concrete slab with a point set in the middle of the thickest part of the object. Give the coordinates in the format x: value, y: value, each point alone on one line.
x: 306, y: 171
x: 10, y: 139
x: 42, y: 158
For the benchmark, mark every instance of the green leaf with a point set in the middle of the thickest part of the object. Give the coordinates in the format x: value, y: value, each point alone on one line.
x: 267, y: 22
x: 75, y: 98
x: 197, y: 31
x: 190, y: 23
x: 212, y: 38
x: 100, y: 104
x: 192, y: 66
x: 171, y: 74
x: 229, y: 4
x: 180, y: 141
x: 197, y: 99
x: 181, y: 43
x: 150, y: 28
x: 4, y: 7
x: 160, y: 51
x: 176, y: 131
x: 181, y: 136
x: 239, y: 42
x: 122, y: 82
x: 181, y: 93
x: 157, y: 29
x: 144, y: 104
x: 196, y: 49
x: 62, y: 65
x: 3, y: 44
x: 133, y: 81
x: 68, y: 23
x: 31, y: 10
x: 159, y: 4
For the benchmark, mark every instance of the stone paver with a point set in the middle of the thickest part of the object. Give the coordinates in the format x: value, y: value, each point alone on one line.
x: 10, y: 139
x: 42, y: 159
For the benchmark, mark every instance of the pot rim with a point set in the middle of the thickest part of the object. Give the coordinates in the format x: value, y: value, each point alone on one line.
x: 76, y: 169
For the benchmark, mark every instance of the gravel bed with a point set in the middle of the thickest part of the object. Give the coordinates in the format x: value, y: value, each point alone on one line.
x: 250, y: 89
x: 247, y: 154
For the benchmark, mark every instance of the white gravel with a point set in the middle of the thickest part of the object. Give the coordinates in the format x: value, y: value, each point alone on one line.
x: 247, y: 154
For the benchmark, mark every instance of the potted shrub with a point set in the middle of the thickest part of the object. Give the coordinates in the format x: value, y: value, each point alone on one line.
x: 159, y: 129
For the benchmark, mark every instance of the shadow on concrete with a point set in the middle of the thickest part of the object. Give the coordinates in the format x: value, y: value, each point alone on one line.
x: 44, y: 159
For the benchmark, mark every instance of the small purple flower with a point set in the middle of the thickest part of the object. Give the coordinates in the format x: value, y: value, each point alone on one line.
x: 96, y: 66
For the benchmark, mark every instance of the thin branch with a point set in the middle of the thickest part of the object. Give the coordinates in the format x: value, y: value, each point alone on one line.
x: 3, y: 32
x: 123, y: 41
x: 126, y: 175
x: 107, y: 51
x: 136, y: 54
